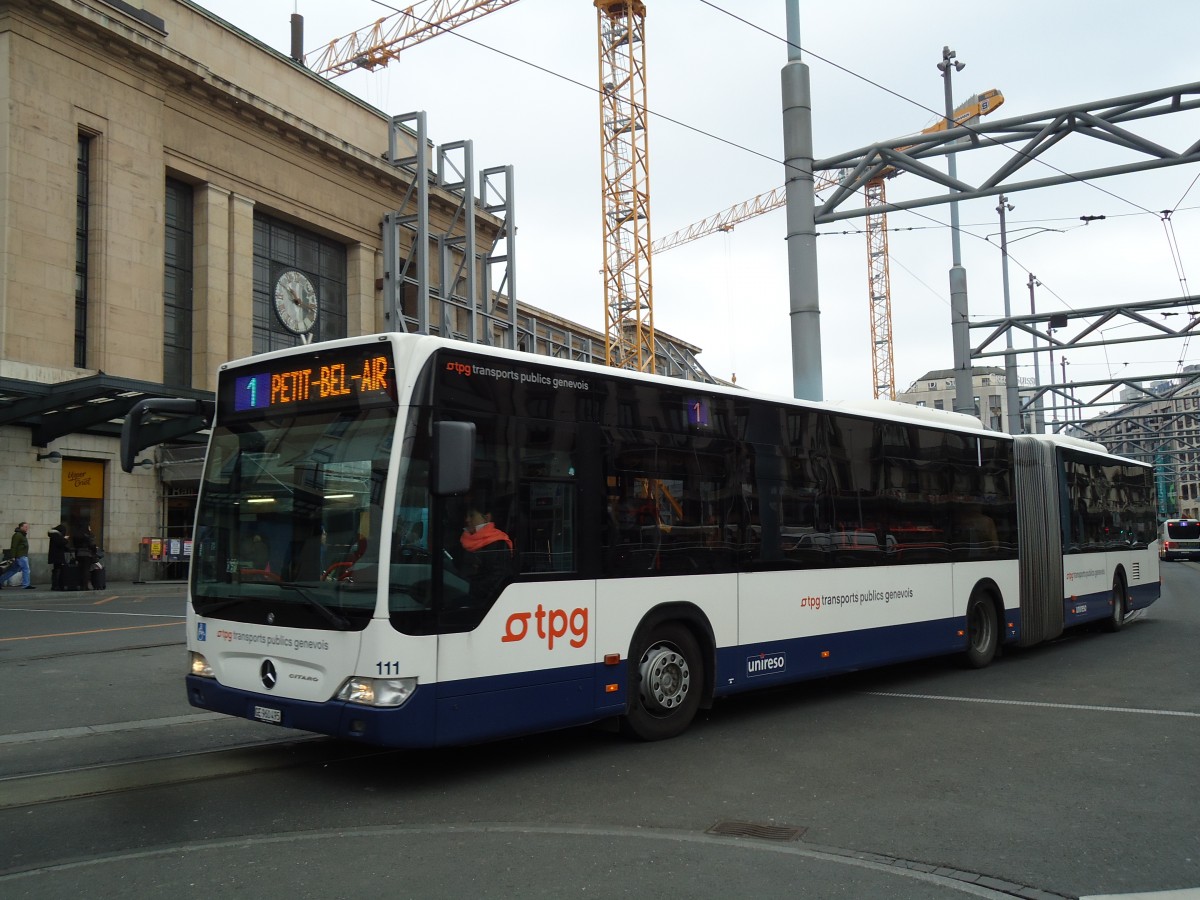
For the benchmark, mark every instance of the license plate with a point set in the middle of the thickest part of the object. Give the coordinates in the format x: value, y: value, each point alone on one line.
x: 266, y: 714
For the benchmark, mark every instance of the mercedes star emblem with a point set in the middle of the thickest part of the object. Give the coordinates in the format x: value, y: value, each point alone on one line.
x: 269, y: 678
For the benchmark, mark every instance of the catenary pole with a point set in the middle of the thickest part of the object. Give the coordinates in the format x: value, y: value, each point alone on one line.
x: 801, y: 218
x: 964, y: 395
x: 1012, y: 396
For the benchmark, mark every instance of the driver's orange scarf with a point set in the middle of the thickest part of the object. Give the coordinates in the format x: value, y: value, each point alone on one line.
x: 488, y: 533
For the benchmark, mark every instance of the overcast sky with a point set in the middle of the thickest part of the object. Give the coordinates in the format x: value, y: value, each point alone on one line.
x: 520, y: 84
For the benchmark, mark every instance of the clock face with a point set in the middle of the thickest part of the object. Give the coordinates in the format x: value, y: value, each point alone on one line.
x: 295, y: 301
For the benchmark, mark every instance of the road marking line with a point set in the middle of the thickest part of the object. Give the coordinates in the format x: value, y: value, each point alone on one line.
x: 30, y: 737
x: 33, y: 637
x: 1120, y: 709
x: 88, y: 612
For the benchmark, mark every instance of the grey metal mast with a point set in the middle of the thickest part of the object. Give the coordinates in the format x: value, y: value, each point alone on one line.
x: 1012, y: 396
x: 801, y: 218
x: 964, y: 394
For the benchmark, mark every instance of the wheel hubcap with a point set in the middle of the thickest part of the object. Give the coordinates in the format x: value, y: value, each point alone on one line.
x: 980, y: 629
x: 666, y: 678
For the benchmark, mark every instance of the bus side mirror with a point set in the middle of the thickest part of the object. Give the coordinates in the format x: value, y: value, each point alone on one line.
x: 453, y: 455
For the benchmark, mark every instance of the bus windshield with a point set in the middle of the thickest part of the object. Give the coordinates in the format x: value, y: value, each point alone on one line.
x: 290, y: 517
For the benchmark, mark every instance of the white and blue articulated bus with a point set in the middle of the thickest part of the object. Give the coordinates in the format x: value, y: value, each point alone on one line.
x: 662, y: 543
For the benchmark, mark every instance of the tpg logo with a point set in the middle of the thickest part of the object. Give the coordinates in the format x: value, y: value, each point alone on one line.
x: 766, y: 664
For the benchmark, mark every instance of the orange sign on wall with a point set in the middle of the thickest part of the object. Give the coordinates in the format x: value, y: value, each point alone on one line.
x: 82, y: 478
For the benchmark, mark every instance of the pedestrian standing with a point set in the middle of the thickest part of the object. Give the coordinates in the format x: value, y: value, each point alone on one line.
x: 57, y: 557
x: 20, y: 553
x: 84, y: 544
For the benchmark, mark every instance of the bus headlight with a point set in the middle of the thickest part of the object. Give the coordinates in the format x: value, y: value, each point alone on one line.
x: 200, y: 665
x: 377, y: 691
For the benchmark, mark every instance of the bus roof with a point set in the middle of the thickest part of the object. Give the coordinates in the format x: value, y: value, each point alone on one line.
x: 417, y: 348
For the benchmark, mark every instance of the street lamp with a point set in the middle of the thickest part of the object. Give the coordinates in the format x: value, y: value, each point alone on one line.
x: 1039, y: 415
x: 1012, y: 397
x: 959, y: 323
x: 1057, y: 320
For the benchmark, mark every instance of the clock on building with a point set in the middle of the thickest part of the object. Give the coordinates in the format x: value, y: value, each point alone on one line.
x: 295, y: 301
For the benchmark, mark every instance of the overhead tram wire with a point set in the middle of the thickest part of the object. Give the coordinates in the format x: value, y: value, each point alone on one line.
x: 591, y: 89
x: 1015, y: 151
x: 768, y: 157
x: 1142, y: 210
x: 1178, y: 203
x: 735, y: 144
x: 658, y: 115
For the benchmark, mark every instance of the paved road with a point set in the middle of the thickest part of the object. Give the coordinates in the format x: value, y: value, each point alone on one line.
x: 1065, y: 770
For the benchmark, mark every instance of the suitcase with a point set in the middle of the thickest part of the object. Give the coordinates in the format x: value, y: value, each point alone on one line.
x: 71, y: 578
x: 99, y: 578
x: 6, y: 569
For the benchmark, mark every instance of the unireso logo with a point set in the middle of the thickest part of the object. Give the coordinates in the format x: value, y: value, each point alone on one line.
x: 766, y: 664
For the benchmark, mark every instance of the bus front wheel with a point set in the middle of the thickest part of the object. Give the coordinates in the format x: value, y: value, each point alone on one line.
x: 668, y: 682
x: 983, y: 630
x: 1120, y: 605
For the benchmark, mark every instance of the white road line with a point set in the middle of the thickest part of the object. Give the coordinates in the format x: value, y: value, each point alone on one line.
x: 1119, y: 709
x: 1181, y: 894
x: 85, y: 730
x: 90, y: 612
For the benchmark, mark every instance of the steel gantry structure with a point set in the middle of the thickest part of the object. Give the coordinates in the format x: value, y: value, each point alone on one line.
x: 879, y: 279
x: 1080, y: 329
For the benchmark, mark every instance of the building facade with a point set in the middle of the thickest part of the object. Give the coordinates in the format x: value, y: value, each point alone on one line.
x: 163, y: 177
x: 936, y: 390
x: 1166, y: 433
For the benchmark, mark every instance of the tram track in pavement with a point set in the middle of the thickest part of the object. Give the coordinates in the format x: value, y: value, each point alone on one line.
x: 298, y: 751
x: 58, y: 785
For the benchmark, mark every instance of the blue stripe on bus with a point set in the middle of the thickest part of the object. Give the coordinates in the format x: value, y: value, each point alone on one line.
x: 409, y: 726
x: 452, y: 713
x: 477, y: 709
x: 1097, y: 605
x: 1142, y: 595
x: 740, y: 668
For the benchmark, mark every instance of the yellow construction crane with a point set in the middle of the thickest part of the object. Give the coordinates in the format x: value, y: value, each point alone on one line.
x: 625, y: 182
x: 625, y: 185
x: 878, y: 273
x: 380, y: 42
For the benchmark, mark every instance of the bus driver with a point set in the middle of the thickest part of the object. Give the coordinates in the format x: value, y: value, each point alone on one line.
x: 487, y: 562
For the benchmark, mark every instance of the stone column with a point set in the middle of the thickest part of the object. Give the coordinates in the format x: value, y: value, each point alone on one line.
x: 364, y: 312
x: 210, y: 283
x: 241, y: 277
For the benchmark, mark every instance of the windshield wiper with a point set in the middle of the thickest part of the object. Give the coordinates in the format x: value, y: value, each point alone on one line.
x: 339, y: 622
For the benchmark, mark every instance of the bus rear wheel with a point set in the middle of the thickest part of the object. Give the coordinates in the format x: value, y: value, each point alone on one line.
x: 983, y: 630
x: 1120, y: 606
x: 669, y: 680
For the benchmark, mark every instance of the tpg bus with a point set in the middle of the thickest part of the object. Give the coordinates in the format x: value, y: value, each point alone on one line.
x: 668, y: 542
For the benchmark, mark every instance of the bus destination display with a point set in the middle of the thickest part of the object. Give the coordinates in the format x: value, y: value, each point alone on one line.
x: 341, y: 378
